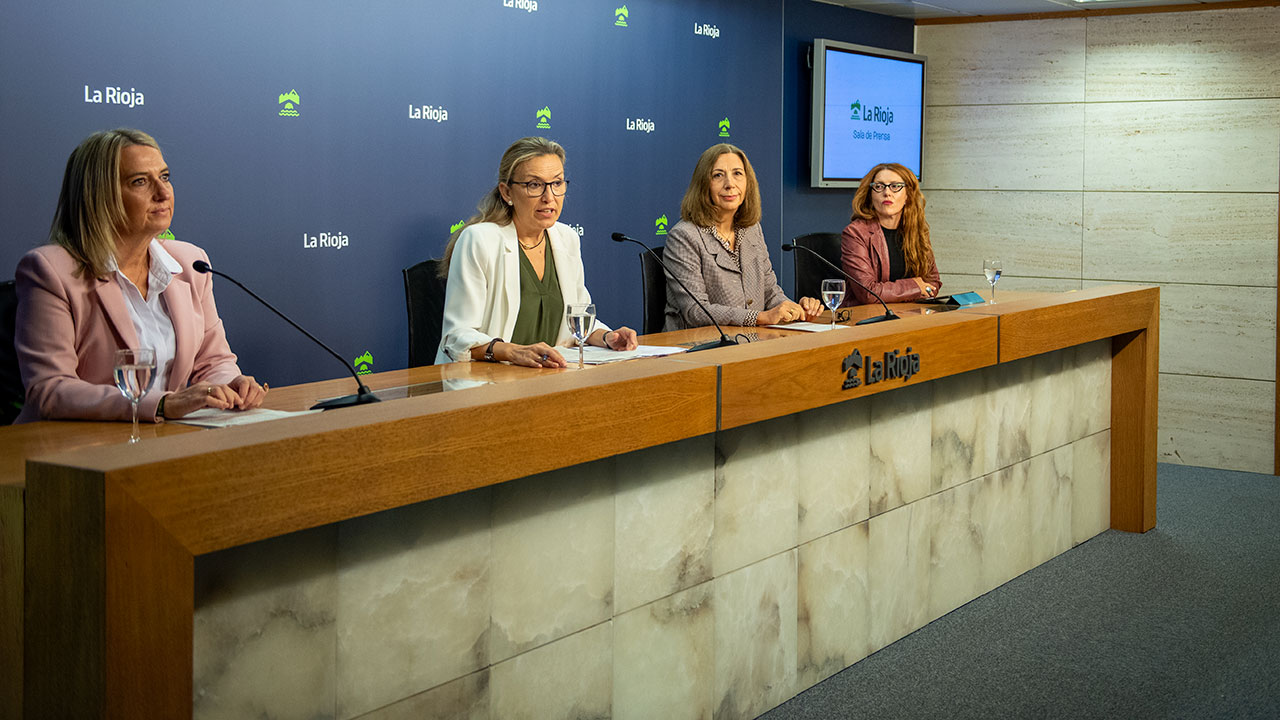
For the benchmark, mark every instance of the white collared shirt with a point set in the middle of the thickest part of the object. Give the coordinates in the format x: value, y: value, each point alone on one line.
x: 150, y: 316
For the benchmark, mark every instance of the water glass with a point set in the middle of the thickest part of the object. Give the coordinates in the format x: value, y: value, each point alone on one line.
x: 992, y: 269
x: 135, y: 371
x: 832, y: 296
x: 582, y: 319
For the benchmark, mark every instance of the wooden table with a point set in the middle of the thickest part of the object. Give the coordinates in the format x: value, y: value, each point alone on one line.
x: 112, y: 529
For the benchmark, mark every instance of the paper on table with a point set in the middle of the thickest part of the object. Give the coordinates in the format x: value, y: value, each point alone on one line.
x: 599, y: 356
x: 806, y: 326
x: 213, y: 417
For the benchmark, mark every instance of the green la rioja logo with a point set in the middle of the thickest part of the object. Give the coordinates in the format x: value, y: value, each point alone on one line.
x: 289, y: 100
x: 855, y: 110
x: 364, y: 363
x: 544, y: 118
x: 621, y: 14
x: 457, y: 226
x: 166, y: 235
x: 660, y: 225
x: 724, y: 127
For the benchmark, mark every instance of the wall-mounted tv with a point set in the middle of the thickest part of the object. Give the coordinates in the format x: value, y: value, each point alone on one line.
x: 868, y: 108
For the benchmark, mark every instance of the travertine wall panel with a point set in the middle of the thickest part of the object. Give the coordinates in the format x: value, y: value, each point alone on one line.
x: 1181, y: 237
x: 1182, y: 145
x: 992, y: 63
x: 1004, y: 147
x: 1191, y: 55
x: 1164, y: 171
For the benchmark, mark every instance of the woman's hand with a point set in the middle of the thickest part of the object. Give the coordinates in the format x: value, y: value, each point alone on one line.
x: 784, y: 313
x: 251, y: 394
x: 190, y: 399
x: 812, y: 307
x: 926, y: 290
x: 624, y: 338
x: 535, y: 355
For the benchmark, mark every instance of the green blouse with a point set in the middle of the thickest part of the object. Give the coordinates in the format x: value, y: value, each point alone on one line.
x: 541, y: 303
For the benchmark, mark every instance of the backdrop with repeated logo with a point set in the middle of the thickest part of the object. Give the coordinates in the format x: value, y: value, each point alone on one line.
x: 318, y: 146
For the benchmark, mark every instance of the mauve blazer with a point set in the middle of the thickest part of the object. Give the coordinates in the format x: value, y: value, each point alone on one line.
x: 69, y: 329
x: 864, y: 253
x: 734, y: 296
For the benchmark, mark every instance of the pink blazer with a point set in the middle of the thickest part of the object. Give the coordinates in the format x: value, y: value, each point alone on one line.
x: 69, y: 328
x: 865, y: 255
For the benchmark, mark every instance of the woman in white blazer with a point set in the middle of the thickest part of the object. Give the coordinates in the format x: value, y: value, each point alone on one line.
x: 506, y: 293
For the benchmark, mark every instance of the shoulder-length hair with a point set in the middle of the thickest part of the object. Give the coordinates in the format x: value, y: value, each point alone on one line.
x: 697, y: 206
x: 90, y: 208
x: 492, y: 207
x: 913, y: 230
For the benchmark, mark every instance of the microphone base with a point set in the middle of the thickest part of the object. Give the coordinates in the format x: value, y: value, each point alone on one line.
x: 877, y: 318
x: 722, y: 342
x: 362, y: 398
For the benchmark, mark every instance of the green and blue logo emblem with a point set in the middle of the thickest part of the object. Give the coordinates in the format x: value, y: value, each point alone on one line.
x: 855, y: 110
x: 290, y: 102
x: 621, y: 14
x: 544, y: 118
x: 457, y: 226
x: 166, y: 235
x: 724, y: 127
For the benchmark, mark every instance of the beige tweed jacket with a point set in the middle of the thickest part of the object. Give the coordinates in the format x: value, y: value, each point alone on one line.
x: 733, y: 294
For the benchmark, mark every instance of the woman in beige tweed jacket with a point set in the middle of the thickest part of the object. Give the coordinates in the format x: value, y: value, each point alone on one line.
x: 717, y: 250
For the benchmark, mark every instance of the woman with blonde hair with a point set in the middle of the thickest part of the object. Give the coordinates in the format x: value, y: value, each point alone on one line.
x: 718, y: 251
x: 107, y: 282
x: 513, y: 268
x: 886, y: 245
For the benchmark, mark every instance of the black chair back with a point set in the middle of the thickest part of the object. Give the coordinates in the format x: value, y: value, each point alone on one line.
x: 11, y: 390
x: 654, y: 284
x: 424, y: 300
x: 810, y: 272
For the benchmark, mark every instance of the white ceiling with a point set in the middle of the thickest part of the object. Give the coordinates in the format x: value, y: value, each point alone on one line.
x: 973, y: 8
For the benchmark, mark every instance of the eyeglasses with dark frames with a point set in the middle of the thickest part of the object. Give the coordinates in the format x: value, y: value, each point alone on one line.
x: 535, y: 188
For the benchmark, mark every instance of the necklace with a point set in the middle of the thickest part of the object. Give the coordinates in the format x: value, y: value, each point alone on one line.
x: 534, y: 246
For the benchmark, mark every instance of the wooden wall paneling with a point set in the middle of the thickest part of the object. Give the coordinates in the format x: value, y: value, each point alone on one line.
x: 758, y: 383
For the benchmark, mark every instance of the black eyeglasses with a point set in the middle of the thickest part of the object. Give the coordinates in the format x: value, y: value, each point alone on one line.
x: 535, y: 188
x: 879, y: 186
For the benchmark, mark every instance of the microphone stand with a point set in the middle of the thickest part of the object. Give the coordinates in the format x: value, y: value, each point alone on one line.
x: 724, y: 340
x: 888, y: 314
x: 363, y: 393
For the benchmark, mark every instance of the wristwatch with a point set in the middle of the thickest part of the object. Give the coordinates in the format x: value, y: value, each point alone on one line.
x: 488, y: 350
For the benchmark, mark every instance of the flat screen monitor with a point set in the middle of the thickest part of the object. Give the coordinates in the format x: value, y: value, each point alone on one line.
x: 868, y: 108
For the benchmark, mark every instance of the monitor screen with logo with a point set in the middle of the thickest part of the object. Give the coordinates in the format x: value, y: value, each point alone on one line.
x: 868, y: 108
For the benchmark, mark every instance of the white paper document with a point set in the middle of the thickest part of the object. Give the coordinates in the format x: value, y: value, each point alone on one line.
x: 806, y: 326
x: 215, y: 418
x: 599, y: 356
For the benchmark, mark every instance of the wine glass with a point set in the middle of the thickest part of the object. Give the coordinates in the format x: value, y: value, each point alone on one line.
x: 832, y: 296
x: 135, y: 372
x: 582, y: 318
x: 992, y: 269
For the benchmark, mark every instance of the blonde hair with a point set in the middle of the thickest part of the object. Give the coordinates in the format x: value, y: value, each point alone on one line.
x: 492, y: 207
x: 913, y: 230
x: 697, y: 206
x: 90, y: 208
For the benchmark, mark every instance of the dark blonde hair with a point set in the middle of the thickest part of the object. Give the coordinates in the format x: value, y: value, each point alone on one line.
x: 90, y: 208
x: 913, y: 230
x: 492, y: 207
x: 697, y: 206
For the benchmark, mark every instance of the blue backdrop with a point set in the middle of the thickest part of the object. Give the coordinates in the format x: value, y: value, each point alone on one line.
x: 377, y: 126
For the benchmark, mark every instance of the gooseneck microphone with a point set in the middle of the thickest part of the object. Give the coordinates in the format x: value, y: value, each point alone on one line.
x: 363, y: 394
x: 888, y: 314
x: 724, y: 340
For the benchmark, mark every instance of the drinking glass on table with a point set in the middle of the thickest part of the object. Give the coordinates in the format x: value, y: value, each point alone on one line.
x: 832, y: 296
x: 992, y: 269
x: 582, y: 319
x: 135, y: 371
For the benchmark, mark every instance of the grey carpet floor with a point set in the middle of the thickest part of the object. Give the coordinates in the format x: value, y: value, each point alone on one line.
x: 1180, y: 622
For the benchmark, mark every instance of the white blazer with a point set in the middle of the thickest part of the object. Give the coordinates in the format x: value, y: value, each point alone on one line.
x: 482, y: 296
